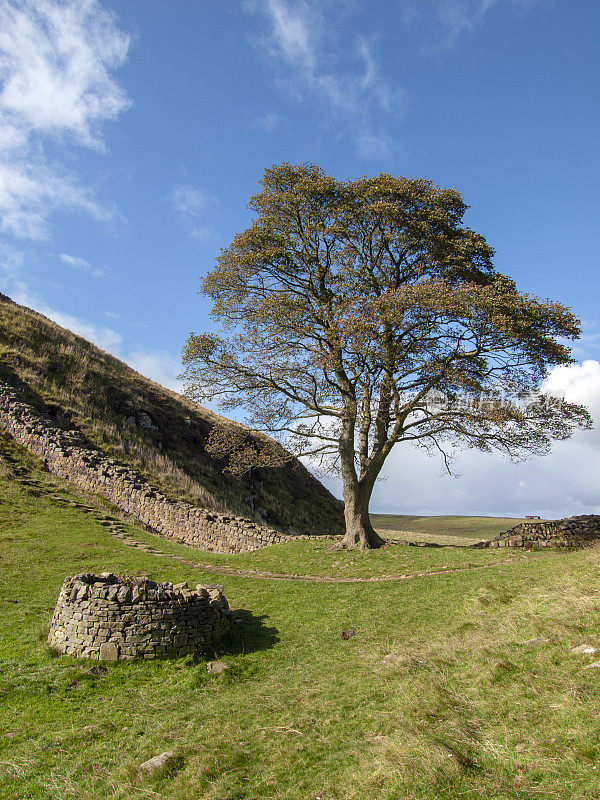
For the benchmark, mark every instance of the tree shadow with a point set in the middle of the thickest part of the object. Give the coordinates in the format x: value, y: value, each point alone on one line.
x: 249, y: 634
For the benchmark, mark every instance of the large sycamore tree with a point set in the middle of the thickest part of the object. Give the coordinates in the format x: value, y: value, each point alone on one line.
x: 356, y: 315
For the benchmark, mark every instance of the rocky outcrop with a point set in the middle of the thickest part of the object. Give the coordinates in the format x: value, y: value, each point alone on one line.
x: 572, y: 532
x: 64, y: 454
x: 107, y: 618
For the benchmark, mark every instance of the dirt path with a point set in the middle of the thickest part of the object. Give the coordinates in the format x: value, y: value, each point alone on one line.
x: 284, y: 576
x: 119, y: 530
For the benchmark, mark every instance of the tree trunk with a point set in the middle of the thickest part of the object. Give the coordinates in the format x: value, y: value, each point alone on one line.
x: 357, y: 492
x: 359, y: 531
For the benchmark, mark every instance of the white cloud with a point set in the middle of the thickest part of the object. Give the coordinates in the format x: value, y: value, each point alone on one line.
x: 579, y: 383
x: 294, y: 32
x: 102, y: 336
x: 588, y: 343
x: 55, y: 64
x: 12, y: 270
x: 319, y: 63
x: 195, y: 209
x: 351, y: 95
x: 270, y: 121
x: 105, y: 338
x: 56, y: 60
x: 12, y: 261
x: 31, y: 189
x: 563, y: 483
x: 455, y: 17
x: 159, y: 365
x: 82, y: 265
x: 375, y: 143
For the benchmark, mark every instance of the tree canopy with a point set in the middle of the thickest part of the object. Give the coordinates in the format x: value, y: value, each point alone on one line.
x: 358, y: 314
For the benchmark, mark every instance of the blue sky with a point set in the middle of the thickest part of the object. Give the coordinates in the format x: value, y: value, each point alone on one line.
x: 133, y: 133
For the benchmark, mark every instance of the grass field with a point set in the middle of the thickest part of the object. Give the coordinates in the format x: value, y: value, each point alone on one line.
x: 442, y: 529
x: 457, y: 684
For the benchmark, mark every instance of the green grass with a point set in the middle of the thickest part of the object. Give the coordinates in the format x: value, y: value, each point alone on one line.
x: 443, y: 529
x: 434, y: 697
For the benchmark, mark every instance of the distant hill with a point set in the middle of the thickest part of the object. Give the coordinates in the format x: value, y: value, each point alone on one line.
x: 158, y: 432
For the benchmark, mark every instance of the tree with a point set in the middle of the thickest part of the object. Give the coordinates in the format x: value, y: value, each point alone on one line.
x: 356, y: 315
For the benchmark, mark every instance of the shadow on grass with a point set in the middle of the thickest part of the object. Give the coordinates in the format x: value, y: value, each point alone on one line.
x: 249, y: 634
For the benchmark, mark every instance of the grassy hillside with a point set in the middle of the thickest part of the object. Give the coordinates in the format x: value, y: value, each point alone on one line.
x: 442, y: 529
x: 459, y: 681
x: 81, y: 386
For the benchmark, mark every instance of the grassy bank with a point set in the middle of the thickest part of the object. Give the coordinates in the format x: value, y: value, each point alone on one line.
x: 456, y: 685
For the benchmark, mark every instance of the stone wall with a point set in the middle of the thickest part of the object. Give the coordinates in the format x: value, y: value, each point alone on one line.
x: 571, y: 532
x: 66, y: 456
x: 107, y: 618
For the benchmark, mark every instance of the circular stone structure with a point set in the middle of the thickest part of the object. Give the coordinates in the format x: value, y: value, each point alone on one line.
x: 108, y: 618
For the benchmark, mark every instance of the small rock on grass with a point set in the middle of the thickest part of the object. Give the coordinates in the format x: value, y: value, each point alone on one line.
x: 157, y: 763
x: 593, y: 665
x: 583, y: 649
x: 217, y: 667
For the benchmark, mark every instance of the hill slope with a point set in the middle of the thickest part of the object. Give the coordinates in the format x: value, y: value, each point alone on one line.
x: 158, y: 432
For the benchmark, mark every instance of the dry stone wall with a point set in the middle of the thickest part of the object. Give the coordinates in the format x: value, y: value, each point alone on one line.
x: 107, y: 618
x: 573, y: 532
x: 66, y: 456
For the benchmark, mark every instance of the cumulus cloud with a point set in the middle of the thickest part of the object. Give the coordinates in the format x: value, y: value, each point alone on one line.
x: 565, y: 482
x: 579, y: 383
x: 56, y: 64
x: 351, y: 94
x: 195, y: 210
